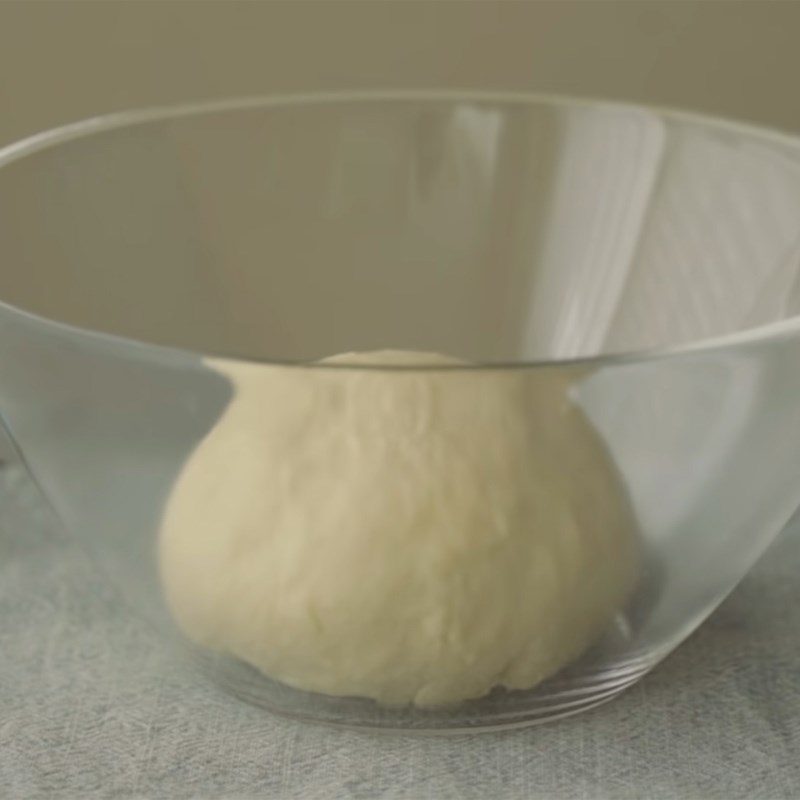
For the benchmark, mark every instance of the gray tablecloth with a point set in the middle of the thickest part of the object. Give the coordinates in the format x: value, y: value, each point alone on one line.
x: 93, y: 705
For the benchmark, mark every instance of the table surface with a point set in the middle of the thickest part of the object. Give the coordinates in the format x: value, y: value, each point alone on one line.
x: 94, y: 705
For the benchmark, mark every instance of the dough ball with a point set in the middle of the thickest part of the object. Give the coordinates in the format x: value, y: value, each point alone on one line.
x: 413, y: 536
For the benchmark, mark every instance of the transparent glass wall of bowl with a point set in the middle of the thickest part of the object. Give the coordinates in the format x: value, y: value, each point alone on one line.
x: 104, y: 427
x: 490, y: 229
x: 706, y: 444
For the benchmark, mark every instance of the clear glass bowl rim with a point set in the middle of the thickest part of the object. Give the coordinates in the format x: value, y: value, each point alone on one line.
x: 51, y: 138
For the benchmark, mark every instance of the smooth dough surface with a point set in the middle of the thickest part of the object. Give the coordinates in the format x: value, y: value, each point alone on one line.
x: 413, y: 536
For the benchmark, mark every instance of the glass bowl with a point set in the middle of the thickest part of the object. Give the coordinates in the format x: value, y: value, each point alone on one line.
x: 645, y: 262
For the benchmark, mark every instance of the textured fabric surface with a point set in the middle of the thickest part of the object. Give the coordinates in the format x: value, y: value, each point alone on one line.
x: 93, y: 705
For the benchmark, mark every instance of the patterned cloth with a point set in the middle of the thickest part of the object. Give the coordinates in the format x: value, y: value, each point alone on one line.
x: 93, y: 705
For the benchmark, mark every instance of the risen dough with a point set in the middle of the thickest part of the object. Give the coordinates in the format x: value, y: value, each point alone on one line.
x: 406, y: 535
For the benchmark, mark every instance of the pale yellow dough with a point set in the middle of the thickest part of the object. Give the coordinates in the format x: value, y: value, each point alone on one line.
x: 411, y: 536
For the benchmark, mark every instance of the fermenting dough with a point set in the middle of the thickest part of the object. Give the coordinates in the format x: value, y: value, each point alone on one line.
x: 413, y: 536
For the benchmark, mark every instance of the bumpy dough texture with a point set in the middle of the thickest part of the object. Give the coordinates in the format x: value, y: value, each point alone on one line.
x: 410, y: 536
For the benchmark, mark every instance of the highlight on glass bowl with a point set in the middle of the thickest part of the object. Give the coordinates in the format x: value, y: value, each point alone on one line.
x: 425, y: 411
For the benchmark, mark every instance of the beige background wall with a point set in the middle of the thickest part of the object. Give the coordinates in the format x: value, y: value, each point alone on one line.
x: 64, y: 60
